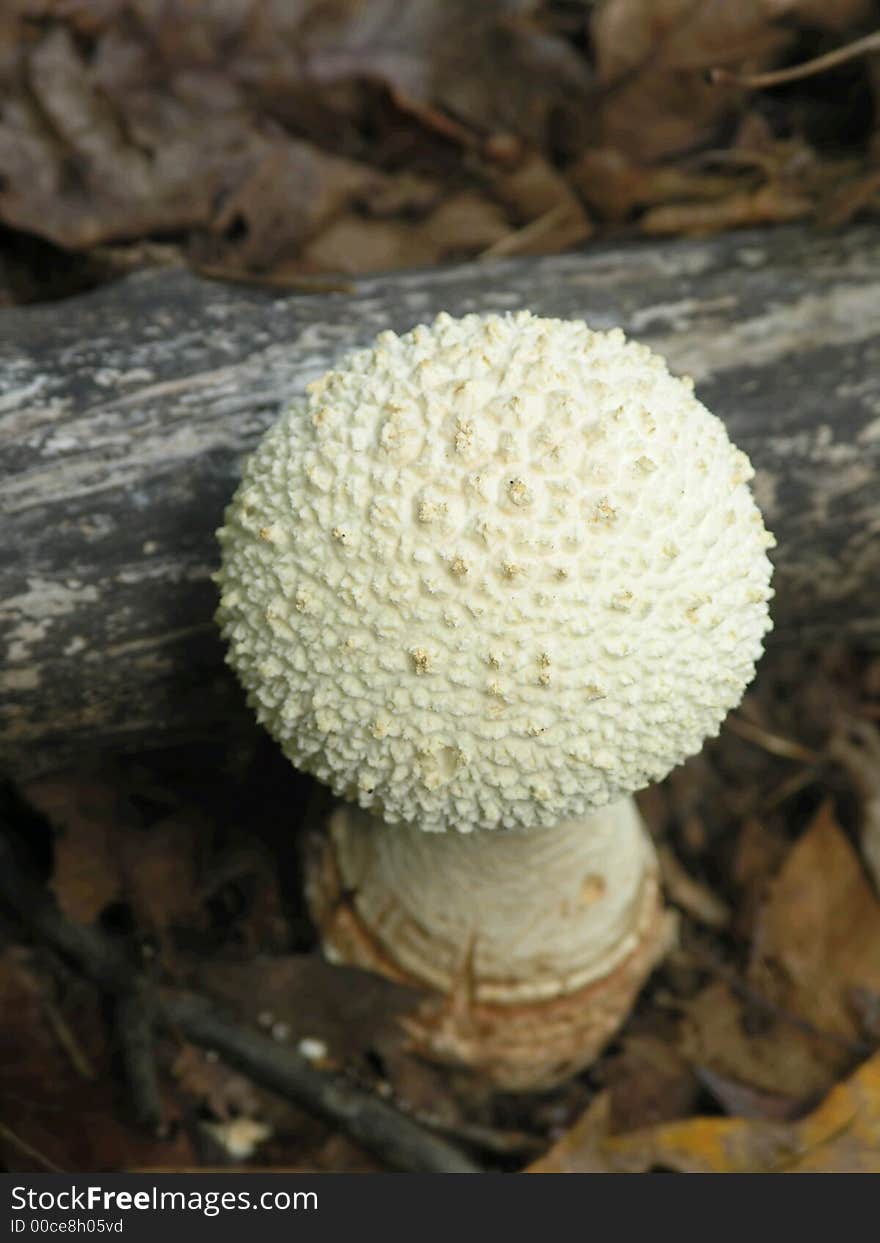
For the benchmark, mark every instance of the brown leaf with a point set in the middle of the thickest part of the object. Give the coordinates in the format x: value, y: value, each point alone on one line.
x: 771, y: 204
x: 653, y: 56
x: 85, y: 814
x: 70, y: 172
x: 746, y: 1101
x: 466, y: 224
x: 303, y: 997
x: 487, y: 65
x: 542, y: 202
x: 856, y: 745
x: 105, y: 852
x: 114, y: 128
x: 616, y: 186
x: 462, y: 225
x: 818, y: 937
x: 159, y: 867
x: 721, y: 1034
x: 758, y: 856
x: 795, y: 1024
x: 842, y: 1135
x: 286, y: 199
x: 649, y: 1082
x: 580, y: 1150
x: 352, y: 243
x: 351, y: 1016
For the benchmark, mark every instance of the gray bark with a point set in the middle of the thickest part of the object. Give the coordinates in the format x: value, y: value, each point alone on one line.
x: 124, y: 416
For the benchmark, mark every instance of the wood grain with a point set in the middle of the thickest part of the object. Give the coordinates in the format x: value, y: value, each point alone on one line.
x: 125, y: 414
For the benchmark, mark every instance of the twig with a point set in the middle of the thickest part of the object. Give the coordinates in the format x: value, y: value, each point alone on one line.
x: 512, y: 243
x: 286, y: 284
x: 778, y: 77
x: 788, y: 788
x: 855, y: 1048
x: 134, y: 1020
x: 489, y: 1139
x: 783, y: 747
x: 23, y: 1146
x: 104, y: 964
x: 79, y: 1059
x: 393, y: 1137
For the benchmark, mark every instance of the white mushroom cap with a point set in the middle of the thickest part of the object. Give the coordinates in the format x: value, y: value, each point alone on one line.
x: 495, y: 572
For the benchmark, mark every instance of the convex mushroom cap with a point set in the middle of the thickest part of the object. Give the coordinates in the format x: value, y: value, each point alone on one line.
x: 495, y: 572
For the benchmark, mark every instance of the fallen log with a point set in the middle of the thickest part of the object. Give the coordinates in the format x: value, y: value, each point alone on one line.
x: 124, y: 416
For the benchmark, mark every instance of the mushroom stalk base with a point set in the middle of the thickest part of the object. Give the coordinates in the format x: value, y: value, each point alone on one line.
x: 535, y: 944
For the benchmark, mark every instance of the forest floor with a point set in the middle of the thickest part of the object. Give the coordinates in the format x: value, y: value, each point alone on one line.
x: 189, y: 859
x: 292, y: 147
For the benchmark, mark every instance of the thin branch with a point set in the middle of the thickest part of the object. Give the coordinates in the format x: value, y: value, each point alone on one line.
x: 785, y: 748
x: 392, y: 1136
x: 710, y: 960
x: 15, y: 1141
x: 258, y: 280
x: 134, y: 1021
x: 820, y: 64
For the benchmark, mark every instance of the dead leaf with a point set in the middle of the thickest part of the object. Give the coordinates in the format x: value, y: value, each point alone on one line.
x: 818, y: 937
x: 105, y: 852
x: 652, y: 59
x: 856, y: 744
x: 289, y: 195
x: 84, y: 812
x: 247, y: 121
x: 465, y: 224
x: 223, y: 1092
x: 722, y: 1035
x: 842, y: 1135
x: 534, y: 192
x: 616, y: 186
x: 757, y: 858
x: 771, y: 204
x: 462, y: 225
x: 353, y: 243
x: 303, y: 997
x: 579, y: 1151
x: 648, y: 1080
x: 744, y: 1100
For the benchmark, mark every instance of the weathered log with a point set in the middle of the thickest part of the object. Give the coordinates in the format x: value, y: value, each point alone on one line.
x: 124, y: 415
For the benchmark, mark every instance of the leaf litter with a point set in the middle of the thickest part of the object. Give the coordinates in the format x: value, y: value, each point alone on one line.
x: 752, y: 1047
x: 274, y: 142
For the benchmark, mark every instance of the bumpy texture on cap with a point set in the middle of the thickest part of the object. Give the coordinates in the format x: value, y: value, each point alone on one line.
x: 495, y: 572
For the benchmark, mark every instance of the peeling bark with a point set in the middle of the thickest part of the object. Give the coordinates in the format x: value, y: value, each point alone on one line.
x: 124, y: 416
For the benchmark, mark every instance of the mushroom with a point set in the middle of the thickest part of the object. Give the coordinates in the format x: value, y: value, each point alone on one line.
x: 486, y: 580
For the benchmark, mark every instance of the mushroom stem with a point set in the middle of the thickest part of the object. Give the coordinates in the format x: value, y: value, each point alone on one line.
x: 537, y: 941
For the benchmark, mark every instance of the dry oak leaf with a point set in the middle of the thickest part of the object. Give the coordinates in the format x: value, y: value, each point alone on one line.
x: 652, y: 57
x: 815, y: 951
x: 105, y: 853
x: 817, y: 940
x: 722, y: 1042
x: 841, y: 1136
